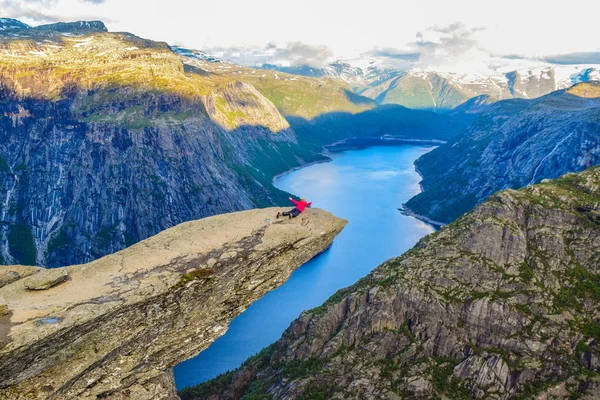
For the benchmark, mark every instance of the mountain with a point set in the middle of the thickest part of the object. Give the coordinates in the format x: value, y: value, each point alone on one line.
x: 107, y: 138
x: 293, y: 95
x: 437, y: 90
x: 504, y: 303
x: 444, y: 90
x: 9, y: 24
x: 512, y: 144
x: 114, y: 329
x: 342, y: 70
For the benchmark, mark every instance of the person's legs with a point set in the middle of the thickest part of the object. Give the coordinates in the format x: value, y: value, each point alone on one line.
x: 293, y: 213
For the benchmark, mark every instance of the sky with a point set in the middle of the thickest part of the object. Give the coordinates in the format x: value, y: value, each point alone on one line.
x: 460, y: 35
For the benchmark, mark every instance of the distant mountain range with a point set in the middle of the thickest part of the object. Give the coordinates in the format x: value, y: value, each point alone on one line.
x: 433, y: 90
x: 442, y: 91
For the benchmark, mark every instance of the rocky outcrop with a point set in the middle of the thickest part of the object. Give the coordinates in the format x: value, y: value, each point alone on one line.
x: 118, y: 325
x: 13, y: 273
x: 503, y: 303
x: 512, y: 144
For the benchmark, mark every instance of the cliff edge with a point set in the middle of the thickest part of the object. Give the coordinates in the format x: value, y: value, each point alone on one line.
x: 115, y: 327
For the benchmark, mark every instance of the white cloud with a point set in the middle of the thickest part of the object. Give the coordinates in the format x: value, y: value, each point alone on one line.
x: 450, y: 33
x: 291, y: 54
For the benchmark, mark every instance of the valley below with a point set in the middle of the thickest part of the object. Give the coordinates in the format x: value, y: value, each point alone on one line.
x: 364, y: 187
x: 141, y: 257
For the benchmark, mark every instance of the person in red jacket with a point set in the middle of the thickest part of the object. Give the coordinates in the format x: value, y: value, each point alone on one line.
x: 294, y: 212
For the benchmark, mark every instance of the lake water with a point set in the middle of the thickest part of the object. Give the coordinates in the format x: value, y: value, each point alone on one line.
x: 366, y: 187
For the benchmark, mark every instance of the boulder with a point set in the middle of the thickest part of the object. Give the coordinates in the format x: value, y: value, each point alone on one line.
x: 46, y: 279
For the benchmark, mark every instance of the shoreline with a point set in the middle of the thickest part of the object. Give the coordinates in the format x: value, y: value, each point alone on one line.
x: 410, y: 213
x: 407, y: 211
x: 362, y: 143
x: 289, y: 171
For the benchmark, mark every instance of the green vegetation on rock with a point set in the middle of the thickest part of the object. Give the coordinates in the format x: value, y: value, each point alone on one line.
x: 3, y: 165
x: 21, y: 244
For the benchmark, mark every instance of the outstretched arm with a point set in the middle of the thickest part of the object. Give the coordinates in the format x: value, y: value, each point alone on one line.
x: 308, y: 204
x: 294, y: 201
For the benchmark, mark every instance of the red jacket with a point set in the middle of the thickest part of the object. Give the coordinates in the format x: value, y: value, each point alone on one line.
x: 301, y: 205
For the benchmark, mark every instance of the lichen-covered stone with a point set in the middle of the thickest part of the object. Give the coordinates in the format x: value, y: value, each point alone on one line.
x: 46, y: 279
x: 119, y: 324
x: 12, y: 273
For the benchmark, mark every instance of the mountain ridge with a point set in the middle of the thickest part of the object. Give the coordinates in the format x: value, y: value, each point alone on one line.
x: 510, y: 144
x: 426, y: 89
x: 107, y: 138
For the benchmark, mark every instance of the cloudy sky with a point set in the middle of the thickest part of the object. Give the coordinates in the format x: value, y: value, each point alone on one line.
x: 458, y: 35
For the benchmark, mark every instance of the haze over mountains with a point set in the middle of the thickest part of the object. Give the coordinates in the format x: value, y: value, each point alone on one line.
x: 430, y: 89
x: 445, y: 90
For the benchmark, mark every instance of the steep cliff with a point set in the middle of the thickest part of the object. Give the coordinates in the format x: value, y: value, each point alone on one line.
x: 115, y: 327
x: 503, y: 303
x: 513, y: 143
x: 106, y: 139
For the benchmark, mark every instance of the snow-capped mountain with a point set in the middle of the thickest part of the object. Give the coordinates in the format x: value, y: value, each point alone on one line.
x: 197, y: 55
x: 445, y: 90
x: 427, y: 89
x: 9, y: 24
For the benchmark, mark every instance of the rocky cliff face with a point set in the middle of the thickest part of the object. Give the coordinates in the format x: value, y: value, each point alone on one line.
x: 106, y: 139
x: 115, y: 327
x: 504, y: 303
x: 512, y: 143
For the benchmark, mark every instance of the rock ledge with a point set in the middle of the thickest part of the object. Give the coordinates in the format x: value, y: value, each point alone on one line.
x: 119, y: 324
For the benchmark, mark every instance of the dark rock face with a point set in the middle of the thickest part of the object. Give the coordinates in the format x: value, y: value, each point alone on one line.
x: 512, y: 144
x: 81, y: 189
x: 94, y: 158
x: 504, y: 303
x: 74, y: 27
